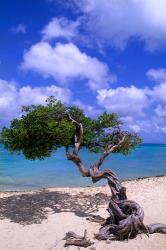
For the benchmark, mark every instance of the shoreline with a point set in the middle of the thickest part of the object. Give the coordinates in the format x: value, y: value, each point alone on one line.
x: 88, y: 189
x: 75, y: 187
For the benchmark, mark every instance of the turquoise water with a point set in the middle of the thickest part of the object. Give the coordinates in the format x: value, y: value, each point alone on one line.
x: 17, y: 173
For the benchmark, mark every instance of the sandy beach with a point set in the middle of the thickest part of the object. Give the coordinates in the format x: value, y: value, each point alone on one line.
x: 38, y: 220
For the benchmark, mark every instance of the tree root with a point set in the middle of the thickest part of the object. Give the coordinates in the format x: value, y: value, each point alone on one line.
x: 96, y: 218
x: 157, y: 228
x: 77, y: 240
x: 125, y: 221
x: 126, y: 216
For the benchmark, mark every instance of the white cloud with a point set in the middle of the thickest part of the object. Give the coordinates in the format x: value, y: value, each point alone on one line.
x: 13, y: 97
x: 65, y: 62
x: 115, y: 22
x: 127, y: 119
x: 159, y: 92
x: 158, y: 124
x: 60, y: 27
x: 88, y: 109
x: 158, y: 75
x: 145, y: 125
x: 135, y: 128
x: 38, y: 95
x: 8, y: 96
x: 143, y: 110
x: 160, y: 111
x: 20, y: 28
x: 162, y: 129
x: 126, y: 101
x: 151, y: 125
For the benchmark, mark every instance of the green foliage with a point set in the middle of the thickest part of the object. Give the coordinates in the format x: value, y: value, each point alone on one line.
x: 43, y: 129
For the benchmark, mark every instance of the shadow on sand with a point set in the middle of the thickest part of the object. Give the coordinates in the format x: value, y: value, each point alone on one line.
x: 33, y: 208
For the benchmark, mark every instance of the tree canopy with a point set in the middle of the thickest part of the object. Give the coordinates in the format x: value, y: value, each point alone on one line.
x: 42, y: 129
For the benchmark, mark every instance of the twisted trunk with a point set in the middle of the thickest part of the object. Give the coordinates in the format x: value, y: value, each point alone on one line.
x: 126, y: 216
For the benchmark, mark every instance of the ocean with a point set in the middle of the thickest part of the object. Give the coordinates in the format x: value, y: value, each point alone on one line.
x: 17, y: 173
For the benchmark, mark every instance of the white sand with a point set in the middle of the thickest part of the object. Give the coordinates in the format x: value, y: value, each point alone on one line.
x: 149, y: 193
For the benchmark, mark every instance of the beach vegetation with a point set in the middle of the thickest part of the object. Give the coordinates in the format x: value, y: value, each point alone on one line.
x: 42, y: 129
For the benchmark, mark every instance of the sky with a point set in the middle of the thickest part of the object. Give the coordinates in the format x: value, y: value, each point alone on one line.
x: 101, y: 55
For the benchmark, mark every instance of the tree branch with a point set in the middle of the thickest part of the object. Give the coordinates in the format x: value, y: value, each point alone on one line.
x: 77, y: 142
x: 109, y: 149
x: 78, y: 138
x: 76, y: 159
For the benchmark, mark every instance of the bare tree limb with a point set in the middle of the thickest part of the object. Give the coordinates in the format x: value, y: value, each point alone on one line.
x: 77, y: 240
x: 77, y: 142
x: 76, y: 159
x: 78, y: 138
x: 109, y: 149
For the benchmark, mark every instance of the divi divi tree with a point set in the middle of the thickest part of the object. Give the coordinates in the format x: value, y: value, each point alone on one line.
x: 43, y: 129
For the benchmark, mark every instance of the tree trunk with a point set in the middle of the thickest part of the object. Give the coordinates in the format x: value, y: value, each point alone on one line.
x: 126, y: 216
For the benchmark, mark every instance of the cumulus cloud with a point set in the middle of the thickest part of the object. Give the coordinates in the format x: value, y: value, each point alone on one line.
x: 116, y: 22
x: 142, y: 109
x: 160, y: 111
x: 126, y: 101
x: 88, y: 109
x: 60, y: 27
x: 160, y: 124
x: 158, y: 75
x: 152, y: 126
x: 162, y: 129
x: 144, y: 126
x: 135, y: 128
x: 65, y: 62
x: 137, y: 124
x: 159, y: 90
x: 13, y: 97
x: 20, y: 28
x: 159, y: 95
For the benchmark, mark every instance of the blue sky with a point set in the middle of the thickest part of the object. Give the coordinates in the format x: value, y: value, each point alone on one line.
x: 101, y: 55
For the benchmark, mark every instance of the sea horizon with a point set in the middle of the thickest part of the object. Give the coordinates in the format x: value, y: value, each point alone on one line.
x: 18, y: 174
